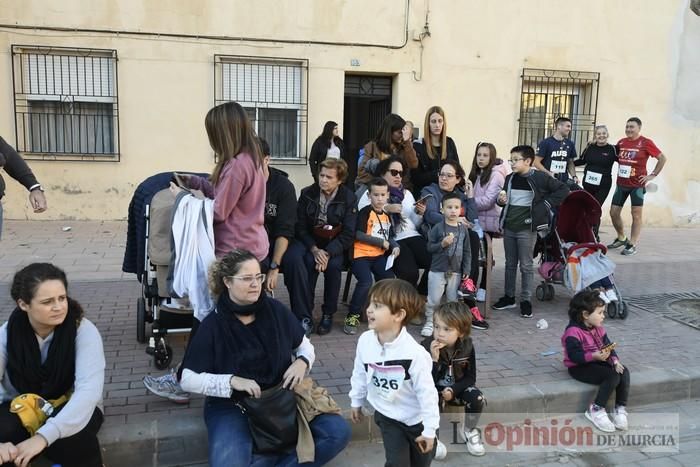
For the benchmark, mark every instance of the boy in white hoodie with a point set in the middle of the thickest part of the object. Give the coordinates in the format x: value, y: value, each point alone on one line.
x: 394, y: 374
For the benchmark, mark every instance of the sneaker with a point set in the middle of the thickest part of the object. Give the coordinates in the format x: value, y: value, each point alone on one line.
x: 466, y: 288
x: 440, y: 451
x: 611, y: 295
x: 167, y: 386
x: 618, y: 243
x: 526, y: 309
x: 629, y: 250
x: 504, y: 303
x: 478, y: 321
x: 325, y: 326
x: 427, y: 330
x: 308, y: 326
x: 481, y: 295
x: 351, y: 323
x: 474, y: 444
x: 620, y: 417
x: 599, y: 418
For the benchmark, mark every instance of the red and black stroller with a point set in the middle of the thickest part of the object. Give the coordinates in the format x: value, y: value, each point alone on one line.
x: 571, y: 256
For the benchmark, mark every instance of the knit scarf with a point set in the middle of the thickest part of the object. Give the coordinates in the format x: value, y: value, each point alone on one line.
x: 396, y: 195
x: 56, y: 375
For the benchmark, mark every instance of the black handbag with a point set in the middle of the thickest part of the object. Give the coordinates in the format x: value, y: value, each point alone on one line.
x: 272, y: 419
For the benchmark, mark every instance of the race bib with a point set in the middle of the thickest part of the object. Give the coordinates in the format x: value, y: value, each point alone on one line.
x: 385, y: 381
x: 558, y: 167
x: 624, y: 171
x: 593, y: 178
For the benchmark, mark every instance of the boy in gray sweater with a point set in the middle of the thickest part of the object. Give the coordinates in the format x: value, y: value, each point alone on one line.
x: 448, y: 243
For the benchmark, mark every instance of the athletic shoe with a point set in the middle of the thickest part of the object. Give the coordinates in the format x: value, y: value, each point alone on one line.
x: 620, y: 417
x: 308, y: 326
x: 599, y: 418
x: 466, y: 288
x: 478, y: 321
x: 440, y: 451
x: 167, y: 386
x: 427, y: 330
x: 325, y: 326
x: 481, y: 295
x: 618, y: 243
x: 351, y: 324
x: 474, y: 444
x: 611, y: 295
x: 629, y: 250
x: 526, y: 309
x: 504, y: 303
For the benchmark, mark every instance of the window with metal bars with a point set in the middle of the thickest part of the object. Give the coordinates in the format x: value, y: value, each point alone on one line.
x: 549, y: 94
x: 274, y: 92
x: 66, y: 103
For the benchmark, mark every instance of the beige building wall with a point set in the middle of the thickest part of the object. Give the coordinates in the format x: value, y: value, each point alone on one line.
x: 471, y: 65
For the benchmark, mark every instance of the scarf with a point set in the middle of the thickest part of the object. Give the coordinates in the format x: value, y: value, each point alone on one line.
x: 56, y: 376
x: 396, y: 197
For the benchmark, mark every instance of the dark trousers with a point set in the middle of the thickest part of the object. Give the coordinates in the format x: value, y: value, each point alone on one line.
x: 80, y: 450
x: 400, y: 447
x: 301, y: 283
x: 600, y: 193
x: 414, y: 256
x: 605, y: 376
x: 475, y: 247
x: 363, y: 269
x: 486, y: 268
x: 473, y: 401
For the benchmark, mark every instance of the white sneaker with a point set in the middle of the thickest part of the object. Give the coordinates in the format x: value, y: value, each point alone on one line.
x: 604, y: 297
x: 427, y: 330
x: 474, y: 444
x: 167, y: 386
x: 611, y: 295
x: 440, y: 451
x: 481, y: 295
x: 600, y: 419
x: 620, y: 417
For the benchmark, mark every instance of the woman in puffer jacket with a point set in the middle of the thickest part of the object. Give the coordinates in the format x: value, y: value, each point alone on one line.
x: 488, y: 176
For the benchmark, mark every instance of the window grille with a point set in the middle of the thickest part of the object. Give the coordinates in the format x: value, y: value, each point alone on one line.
x: 549, y: 94
x: 274, y: 93
x: 66, y: 104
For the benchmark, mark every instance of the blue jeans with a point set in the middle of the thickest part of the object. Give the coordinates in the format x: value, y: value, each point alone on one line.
x: 230, y: 443
x: 363, y: 269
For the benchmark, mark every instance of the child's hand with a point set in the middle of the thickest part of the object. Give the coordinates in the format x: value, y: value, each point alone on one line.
x: 356, y: 414
x: 435, y: 347
x: 425, y: 445
x: 447, y: 394
x: 448, y: 240
x: 396, y: 252
x: 601, y: 355
x: 386, y: 245
x: 619, y: 367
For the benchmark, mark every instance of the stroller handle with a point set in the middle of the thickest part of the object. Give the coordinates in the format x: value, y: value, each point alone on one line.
x: 596, y: 246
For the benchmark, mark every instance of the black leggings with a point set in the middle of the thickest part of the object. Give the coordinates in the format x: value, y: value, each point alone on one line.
x: 80, y: 450
x: 600, y: 193
x: 414, y: 256
x: 475, y: 246
x: 473, y: 401
x: 609, y: 380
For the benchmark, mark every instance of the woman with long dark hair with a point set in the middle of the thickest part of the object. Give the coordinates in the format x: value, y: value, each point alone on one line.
x: 388, y: 142
x: 327, y: 145
x: 433, y: 149
x: 51, y: 363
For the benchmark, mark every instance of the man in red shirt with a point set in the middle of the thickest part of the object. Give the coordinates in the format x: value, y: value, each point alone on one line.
x: 633, y: 152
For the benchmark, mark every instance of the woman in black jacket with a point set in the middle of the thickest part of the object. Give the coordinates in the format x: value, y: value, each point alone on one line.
x: 432, y: 150
x: 328, y: 144
x: 598, y: 157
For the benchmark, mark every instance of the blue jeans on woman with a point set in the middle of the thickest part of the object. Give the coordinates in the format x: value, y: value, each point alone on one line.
x: 363, y: 269
x: 230, y: 443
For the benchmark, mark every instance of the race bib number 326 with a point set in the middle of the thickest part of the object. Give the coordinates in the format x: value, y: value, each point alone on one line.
x: 385, y: 381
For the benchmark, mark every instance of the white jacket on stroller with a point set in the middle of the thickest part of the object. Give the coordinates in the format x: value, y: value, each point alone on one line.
x: 584, y: 266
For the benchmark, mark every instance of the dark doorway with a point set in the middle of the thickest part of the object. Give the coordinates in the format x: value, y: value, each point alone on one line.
x: 367, y: 102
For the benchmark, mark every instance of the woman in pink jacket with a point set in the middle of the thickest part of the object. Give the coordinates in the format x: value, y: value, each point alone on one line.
x: 487, y: 175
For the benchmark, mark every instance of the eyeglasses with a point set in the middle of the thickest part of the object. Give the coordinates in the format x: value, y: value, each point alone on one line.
x: 516, y: 160
x: 248, y: 280
x: 444, y: 175
x: 396, y: 173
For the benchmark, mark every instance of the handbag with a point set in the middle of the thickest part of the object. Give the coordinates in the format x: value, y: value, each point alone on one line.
x: 327, y: 232
x: 272, y: 419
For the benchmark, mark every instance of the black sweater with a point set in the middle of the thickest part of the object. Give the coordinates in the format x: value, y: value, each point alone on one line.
x: 598, y: 159
x: 280, y: 207
x: 15, y: 167
x: 427, y: 171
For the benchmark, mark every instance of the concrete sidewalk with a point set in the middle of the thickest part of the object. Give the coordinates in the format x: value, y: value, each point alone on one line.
x: 516, y: 367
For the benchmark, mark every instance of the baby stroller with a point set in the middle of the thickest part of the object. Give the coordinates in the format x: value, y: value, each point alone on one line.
x: 148, y: 253
x: 570, y: 253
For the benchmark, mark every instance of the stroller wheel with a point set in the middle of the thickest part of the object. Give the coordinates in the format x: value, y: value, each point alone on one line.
x: 141, y: 320
x: 612, y: 310
x: 163, y: 356
x: 541, y: 293
x: 622, y: 312
x: 549, y: 293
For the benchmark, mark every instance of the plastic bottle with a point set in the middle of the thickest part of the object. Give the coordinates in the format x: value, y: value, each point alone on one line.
x: 477, y: 228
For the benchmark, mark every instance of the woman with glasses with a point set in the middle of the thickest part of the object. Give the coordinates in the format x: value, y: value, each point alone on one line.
x: 406, y: 218
x: 248, y: 344
x: 433, y: 149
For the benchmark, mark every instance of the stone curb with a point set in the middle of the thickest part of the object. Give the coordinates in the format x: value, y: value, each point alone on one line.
x: 181, y: 440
